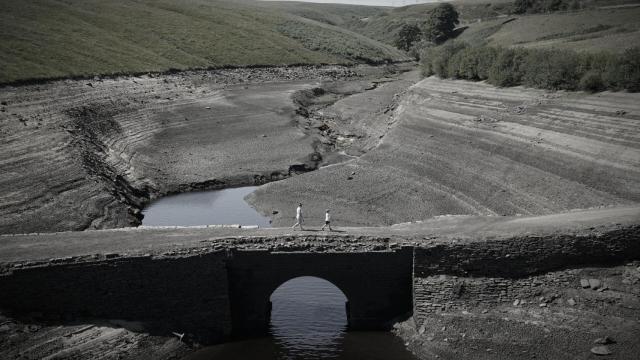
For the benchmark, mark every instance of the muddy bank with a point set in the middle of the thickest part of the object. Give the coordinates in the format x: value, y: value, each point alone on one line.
x: 456, y: 147
x: 90, y: 154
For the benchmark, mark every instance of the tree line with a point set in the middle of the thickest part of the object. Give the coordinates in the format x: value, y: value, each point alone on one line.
x: 556, y: 69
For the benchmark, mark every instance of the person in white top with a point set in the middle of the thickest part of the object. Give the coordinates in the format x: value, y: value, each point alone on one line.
x: 299, y: 218
x: 327, y: 220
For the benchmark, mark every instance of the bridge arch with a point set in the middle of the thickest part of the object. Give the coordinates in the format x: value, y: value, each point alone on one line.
x: 377, y: 285
x: 313, y: 291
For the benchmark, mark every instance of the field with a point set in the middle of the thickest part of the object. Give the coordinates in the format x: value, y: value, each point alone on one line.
x: 612, y: 30
x: 598, y: 27
x: 43, y: 39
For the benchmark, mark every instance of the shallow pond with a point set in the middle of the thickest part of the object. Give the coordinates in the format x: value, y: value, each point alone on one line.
x: 308, y: 322
x: 215, y: 207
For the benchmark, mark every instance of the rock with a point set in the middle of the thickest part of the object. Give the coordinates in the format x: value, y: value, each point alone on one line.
x: 421, y: 330
x: 485, y: 311
x: 571, y: 302
x: 4, y: 328
x: 601, y: 350
x: 604, y: 341
x: 543, y: 305
x: 594, y: 283
x: 516, y: 303
x: 584, y: 283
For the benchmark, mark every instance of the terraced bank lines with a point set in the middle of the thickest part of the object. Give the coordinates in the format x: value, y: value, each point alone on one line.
x: 470, y: 148
x: 90, y: 154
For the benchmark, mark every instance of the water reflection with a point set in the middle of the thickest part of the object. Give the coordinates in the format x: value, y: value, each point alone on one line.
x: 308, y: 321
x: 225, y: 206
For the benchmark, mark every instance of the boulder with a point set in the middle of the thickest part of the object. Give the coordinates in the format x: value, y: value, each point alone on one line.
x: 594, y: 284
x: 601, y: 350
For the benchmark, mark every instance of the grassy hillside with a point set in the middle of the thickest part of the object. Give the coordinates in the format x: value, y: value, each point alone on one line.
x: 385, y: 26
x: 48, y: 39
x: 602, y: 24
x: 600, y: 29
x: 333, y: 14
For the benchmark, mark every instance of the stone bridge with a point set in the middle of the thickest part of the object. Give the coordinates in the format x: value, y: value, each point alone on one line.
x: 216, y: 283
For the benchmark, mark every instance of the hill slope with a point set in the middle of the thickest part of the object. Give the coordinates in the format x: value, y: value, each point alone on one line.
x: 599, y: 29
x: 48, y: 39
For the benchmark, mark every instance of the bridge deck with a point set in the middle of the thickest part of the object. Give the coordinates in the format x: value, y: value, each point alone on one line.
x: 155, y: 241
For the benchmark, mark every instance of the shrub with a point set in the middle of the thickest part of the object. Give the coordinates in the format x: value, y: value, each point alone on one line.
x: 591, y: 81
x: 547, y: 69
x: 507, y: 69
x: 435, y: 60
x: 551, y: 69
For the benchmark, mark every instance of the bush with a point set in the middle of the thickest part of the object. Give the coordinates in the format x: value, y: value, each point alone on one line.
x: 435, y: 59
x: 546, y: 69
x: 507, y: 69
x: 591, y: 82
x: 551, y: 69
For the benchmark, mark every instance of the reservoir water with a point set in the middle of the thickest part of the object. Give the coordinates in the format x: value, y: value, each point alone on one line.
x: 217, y: 207
x: 309, y: 322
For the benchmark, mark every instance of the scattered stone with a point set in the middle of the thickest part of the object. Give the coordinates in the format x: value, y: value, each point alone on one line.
x: 485, y: 311
x: 543, y: 305
x: 601, y: 350
x: 421, y: 330
x: 571, y: 302
x: 584, y: 283
x: 4, y: 328
x: 516, y: 303
x: 208, y: 107
x: 264, y: 135
x: 621, y: 112
x: 430, y: 338
x: 274, y: 212
x: 594, y: 283
x: 604, y: 341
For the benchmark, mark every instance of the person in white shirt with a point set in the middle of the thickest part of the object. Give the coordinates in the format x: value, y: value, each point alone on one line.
x: 299, y: 218
x: 327, y: 220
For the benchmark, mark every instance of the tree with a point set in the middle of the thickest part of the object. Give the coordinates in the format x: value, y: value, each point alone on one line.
x: 441, y: 22
x: 407, y: 36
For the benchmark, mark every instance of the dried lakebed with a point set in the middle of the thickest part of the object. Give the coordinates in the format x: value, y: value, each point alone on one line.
x: 386, y: 148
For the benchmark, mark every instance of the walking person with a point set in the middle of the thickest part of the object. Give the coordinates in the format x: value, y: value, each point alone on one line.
x: 299, y: 218
x: 327, y: 220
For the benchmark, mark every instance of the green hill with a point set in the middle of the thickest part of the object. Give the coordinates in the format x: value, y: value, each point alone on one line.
x: 49, y: 39
x: 614, y: 30
x: 600, y: 25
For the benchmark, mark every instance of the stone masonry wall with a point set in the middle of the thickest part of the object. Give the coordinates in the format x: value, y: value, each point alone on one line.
x: 457, y: 276
x: 167, y: 294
